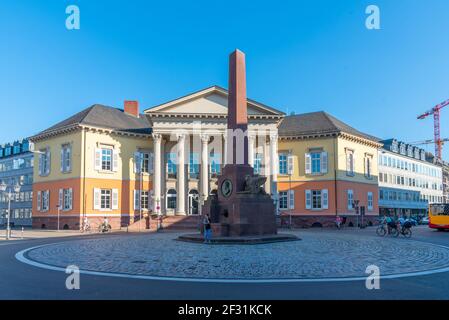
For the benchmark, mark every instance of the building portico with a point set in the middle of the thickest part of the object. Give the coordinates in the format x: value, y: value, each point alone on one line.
x: 190, y: 148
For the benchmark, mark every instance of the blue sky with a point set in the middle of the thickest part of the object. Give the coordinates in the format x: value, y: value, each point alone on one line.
x: 302, y: 56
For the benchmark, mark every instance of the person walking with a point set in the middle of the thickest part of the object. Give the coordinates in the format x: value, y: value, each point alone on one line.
x: 207, y: 229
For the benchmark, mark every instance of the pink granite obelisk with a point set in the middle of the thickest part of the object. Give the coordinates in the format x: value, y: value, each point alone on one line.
x: 237, y: 110
x: 238, y: 208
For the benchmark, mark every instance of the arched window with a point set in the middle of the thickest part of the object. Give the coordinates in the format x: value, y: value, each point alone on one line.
x: 171, y: 199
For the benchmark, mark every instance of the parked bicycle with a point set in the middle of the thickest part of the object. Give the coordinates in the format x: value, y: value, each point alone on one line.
x: 86, y: 226
x: 105, y: 226
x: 395, y: 229
x: 102, y: 228
x: 386, y: 228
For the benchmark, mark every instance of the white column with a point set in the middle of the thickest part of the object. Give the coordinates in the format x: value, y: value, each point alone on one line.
x: 267, y: 163
x: 204, y: 166
x: 274, y: 163
x: 180, y: 206
x: 157, y: 138
x: 251, y: 140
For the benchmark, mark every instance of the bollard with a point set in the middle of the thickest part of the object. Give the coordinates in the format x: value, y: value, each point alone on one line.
x: 22, y: 233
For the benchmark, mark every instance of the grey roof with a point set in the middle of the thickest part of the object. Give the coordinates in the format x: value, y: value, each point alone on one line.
x: 317, y: 123
x: 105, y: 117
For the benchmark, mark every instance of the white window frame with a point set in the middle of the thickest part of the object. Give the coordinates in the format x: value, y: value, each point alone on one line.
x: 65, y: 199
x: 370, y: 201
x: 290, y: 164
x: 291, y: 199
x: 107, y: 159
x: 45, y: 198
x: 66, y: 158
x: 317, y: 204
x: 283, y: 163
x: 283, y: 200
x: 350, y: 199
x: 175, y: 195
x: 141, y: 199
x: 350, y: 165
x: 44, y: 162
x: 105, y: 199
x: 312, y: 160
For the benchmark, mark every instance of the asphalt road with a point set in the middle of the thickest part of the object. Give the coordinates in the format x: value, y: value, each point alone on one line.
x: 22, y: 281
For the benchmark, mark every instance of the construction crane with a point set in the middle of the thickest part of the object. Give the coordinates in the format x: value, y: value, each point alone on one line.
x: 430, y: 141
x: 436, y: 126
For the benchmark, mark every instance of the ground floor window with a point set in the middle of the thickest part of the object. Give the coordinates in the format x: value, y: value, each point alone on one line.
x: 316, y: 199
x: 43, y: 200
x: 370, y: 201
x: 171, y: 199
x: 145, y: 200
x: 283, y: 200
x: 141, y: 199
x: 105, y: 202
x: 66, y: 199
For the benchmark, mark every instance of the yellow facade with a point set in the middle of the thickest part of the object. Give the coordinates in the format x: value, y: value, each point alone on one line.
x: 336, y: 148
x: 83, y: 178
x: 361, y: 149
x: 54, y: 144
x: 298, y: 150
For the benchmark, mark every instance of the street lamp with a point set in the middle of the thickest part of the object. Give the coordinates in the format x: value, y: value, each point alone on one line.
x: 59, y: 212
x: 157, y: 201
x: 13, y: 190
x: 355, y: 205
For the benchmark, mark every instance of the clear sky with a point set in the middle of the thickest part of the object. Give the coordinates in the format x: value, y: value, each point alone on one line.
x: 302, y: 56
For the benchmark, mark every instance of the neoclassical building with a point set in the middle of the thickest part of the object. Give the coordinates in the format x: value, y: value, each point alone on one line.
x: 128, y: 166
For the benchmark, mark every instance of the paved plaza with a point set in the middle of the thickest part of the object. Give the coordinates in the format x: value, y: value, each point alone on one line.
x: 319, y: 255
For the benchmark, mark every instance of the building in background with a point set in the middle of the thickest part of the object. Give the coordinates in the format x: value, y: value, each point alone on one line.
x: 326, y: 168
x: 445, y: 167
x: 407, y: 181
x: 16, y: 168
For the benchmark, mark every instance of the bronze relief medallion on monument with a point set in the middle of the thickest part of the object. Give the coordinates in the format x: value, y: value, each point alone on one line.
x: 226, y: 188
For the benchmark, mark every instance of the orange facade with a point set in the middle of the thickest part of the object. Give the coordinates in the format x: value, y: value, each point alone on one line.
x: 83, y: 201
x: 337, y: 197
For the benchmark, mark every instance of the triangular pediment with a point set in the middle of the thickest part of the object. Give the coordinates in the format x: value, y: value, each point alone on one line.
x: 213, y: 100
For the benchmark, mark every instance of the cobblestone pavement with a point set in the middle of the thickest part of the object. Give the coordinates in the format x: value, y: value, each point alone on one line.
x: 318, y: 255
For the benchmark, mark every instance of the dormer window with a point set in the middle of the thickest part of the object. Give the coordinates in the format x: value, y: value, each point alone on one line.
x: 7, y: 151
x: 410, y: 151
x: 25, y: 146
x: 394, y: 146
x: 16, y: 149
x: 423, y: 155
x: 402, y: 149
x: 416, y: 153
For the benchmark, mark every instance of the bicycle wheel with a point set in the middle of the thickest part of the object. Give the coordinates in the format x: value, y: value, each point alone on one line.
x: 381, y: 232
x: 394, y: 232
x: 407, y: 233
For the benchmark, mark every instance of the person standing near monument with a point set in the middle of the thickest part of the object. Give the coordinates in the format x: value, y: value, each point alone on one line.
x: 207, y: 229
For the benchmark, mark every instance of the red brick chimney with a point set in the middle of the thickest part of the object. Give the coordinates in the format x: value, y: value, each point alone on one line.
x: 132, y: 108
